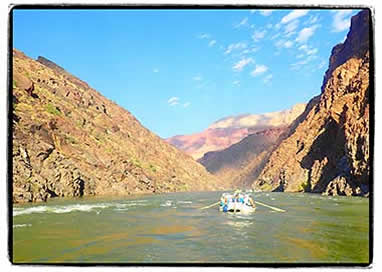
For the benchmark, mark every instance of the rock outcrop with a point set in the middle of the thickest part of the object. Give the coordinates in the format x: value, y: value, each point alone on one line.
x: 327, y: 149
x: 232, y: 129
x: 68, y: 141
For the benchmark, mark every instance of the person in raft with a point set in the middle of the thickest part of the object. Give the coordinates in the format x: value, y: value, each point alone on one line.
x: 238, y: 197
x: 249, y: 201
x: 224, y: 202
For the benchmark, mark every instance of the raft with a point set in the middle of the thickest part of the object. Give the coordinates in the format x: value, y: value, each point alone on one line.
x: 235, y: 206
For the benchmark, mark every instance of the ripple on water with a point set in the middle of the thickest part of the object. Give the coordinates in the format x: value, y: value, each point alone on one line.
x: 168, y: 203
x: 173, y: 228
x: 22, y: 225
x: 77, y: 208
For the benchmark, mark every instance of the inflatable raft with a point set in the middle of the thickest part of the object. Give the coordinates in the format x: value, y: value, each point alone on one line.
x: 240, y: 203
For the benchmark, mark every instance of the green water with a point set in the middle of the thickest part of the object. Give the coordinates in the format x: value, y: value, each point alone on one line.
x: 172, y: 228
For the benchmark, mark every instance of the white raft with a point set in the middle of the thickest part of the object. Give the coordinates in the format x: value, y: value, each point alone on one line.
x: 234, y: 206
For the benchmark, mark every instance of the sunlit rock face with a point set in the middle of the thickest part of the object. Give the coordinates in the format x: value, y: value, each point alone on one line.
x: 328, y: 149
x: 69, y: 141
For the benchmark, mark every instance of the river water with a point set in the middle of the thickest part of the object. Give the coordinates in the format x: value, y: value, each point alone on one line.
x: 171, y: 228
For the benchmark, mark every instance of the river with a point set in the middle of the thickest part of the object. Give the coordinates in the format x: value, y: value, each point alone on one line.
x: 171, y: 228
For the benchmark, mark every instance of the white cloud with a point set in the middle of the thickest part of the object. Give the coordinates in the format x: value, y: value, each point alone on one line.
x: 234, y: 46
x: 268, y: 78
x: 312, y: 51
x: 156, y: 70
x: 204, y: 36
x: 284, y: 44
x: 313, y: 19
x: 275, y: 36
x: 322, y: 64
x: 341, y: 20
x: 249, y: 50
x: 258, y: 35
x: 288, y: 44
x: 241, y: 64
x: 211, y: 43
x: 173, y: 101
x: 243, y: 22
x: 294, y: 15
x: 306, y: 33
x: 279, y: 43
x: 236, y: 83
x: 266, y: 12
x: 185, y: 105
x: 299, y: 64
x: 307, y: 52
x: 197, y: 78
x: 303, y: 47
x: 259, y: 69
x: 291, y: 27
x: 290, y: 34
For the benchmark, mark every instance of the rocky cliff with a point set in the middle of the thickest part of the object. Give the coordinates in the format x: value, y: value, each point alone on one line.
x: 241, y: 163
x: 232, y: 129
x: 69, y: 140
x: 327, y: 150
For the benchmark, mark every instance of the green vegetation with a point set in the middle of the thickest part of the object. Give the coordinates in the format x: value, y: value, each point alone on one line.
x: 136, y: 162
x: 152, y: 168
x: 304, y: 186
x: 183, y: 187
x: 70, y: 139
x: 52, y: 109
x: 266, y: 187
x: 14, y: 84
x: 23, y: 107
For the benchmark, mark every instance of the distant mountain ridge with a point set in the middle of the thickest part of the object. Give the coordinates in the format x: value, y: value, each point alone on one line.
x: 260, y: 121
x: 232, y: 129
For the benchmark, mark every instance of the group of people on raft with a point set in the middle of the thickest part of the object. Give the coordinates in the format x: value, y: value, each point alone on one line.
x: 227, y: 200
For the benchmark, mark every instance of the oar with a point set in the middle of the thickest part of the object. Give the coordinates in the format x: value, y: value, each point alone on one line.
x: 273, y: 208
x: 209, y: 206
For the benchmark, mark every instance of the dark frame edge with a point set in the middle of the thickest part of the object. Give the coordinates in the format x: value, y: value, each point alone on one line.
x: 9, y: 107
x: 372, y: 94
x: 9, y: 147
x: 185, y: 6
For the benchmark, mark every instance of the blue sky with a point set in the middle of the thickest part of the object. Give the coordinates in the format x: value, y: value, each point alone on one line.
x: 178, y: 71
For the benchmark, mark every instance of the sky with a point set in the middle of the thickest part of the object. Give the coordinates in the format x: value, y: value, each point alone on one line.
x: 178, y: 71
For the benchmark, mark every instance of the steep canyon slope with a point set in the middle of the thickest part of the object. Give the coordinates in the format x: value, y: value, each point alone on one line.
x: 69, y: 140
x: 328, y: 150
x: 241, y: 163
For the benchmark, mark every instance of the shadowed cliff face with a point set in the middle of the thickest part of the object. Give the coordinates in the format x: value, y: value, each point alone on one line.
x: 69, y: 140
x: 241, y: 163
x: 328, y: 150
